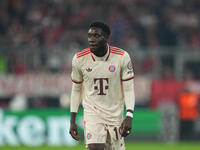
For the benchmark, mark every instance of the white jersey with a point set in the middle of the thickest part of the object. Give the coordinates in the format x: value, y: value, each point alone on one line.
x: 102, y: 77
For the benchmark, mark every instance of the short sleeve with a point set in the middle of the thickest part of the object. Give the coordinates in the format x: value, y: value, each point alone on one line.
x: 76, y: 74
x: 127, y: 68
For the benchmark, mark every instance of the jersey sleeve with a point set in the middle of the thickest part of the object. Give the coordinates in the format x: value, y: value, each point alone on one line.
x: 127, y: 69
x: 76, y: 77
x: 127, y: 82
x: 76, y: 74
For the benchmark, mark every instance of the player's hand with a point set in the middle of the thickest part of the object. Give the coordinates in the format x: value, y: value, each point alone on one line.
x: 74, y: 131
x: 126, y: 126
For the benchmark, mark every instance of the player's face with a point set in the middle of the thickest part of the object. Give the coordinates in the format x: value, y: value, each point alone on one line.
x: 96, y: 39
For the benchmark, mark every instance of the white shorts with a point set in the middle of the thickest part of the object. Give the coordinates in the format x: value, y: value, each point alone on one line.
x: 105, y: 134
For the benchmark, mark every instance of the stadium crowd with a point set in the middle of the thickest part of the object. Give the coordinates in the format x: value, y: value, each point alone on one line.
x: 43, y: 35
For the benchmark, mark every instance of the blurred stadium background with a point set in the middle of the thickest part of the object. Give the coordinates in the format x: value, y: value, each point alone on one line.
x: 38, y: 39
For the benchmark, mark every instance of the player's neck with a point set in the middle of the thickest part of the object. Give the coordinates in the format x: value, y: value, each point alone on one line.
x: 101, y: 51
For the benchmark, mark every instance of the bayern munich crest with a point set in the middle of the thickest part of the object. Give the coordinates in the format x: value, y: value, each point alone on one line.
x: 89, y: 135
x: 112, y: 68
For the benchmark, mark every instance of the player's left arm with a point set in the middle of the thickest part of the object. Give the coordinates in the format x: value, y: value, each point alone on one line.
x: 127, y: 76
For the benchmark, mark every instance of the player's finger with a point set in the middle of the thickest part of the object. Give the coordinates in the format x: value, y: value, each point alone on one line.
x: 126, y: 131
x: 74, y: 135
x: 121, y: 129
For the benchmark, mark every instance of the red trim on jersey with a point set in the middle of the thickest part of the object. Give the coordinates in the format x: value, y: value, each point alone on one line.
x: 106, y: 57
x: 93, y: 57
x: 116, y: 50
x: 80, y: 53
x: 108, y: 53
x: 83, y: 50
x: 128, y: 78
x: 85, y: 131
x: 83, y: 53
x: 117, y: 53
x: 77, y: 82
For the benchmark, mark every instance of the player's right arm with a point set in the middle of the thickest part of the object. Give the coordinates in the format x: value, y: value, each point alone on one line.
x: 77, y: 79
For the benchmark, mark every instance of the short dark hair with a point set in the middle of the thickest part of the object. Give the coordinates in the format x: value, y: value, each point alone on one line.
x: 102, y: 25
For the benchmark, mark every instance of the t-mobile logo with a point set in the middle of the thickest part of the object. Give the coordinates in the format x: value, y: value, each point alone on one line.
x: 101, y: 85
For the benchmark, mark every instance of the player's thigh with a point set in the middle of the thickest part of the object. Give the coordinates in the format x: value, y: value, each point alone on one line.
x: 96, y: 146
x: 95, y: 133
x: 114, y: 140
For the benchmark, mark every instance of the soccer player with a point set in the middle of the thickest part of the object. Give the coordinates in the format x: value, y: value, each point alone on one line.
x: 102, y: 76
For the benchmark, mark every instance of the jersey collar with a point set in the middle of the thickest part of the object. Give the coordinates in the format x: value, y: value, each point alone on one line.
x: 104, y: 58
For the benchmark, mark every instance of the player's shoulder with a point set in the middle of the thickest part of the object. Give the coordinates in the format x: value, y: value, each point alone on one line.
x: 82, y: 53
x: 117, y: 51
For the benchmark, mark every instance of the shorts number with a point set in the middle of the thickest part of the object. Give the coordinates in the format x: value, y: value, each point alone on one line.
x: 116, y: 133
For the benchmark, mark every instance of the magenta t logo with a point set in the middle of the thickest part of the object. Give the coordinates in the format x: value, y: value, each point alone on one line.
x: 101, y: 85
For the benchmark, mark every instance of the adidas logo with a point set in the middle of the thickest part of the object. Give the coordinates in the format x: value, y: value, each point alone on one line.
x: 88, y: 69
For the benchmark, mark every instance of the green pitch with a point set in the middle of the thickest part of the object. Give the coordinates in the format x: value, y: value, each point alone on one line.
x: 129, y: 146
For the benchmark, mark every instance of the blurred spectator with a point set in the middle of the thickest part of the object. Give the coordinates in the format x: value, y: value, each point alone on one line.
x: 135, y: 24
x: 188, y: 104
x: 165, y: 89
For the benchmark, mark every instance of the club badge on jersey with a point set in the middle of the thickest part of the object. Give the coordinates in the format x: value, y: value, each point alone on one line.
x: 112, y: 68
x: 89, y: 136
